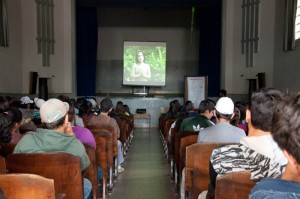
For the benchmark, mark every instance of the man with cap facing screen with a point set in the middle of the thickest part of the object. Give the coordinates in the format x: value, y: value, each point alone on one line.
x: 223, y: 131
x: 55, y: 136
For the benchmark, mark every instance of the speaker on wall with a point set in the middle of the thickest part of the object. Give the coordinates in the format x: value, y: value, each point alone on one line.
x: 43, y: 88
x: 33, y: 82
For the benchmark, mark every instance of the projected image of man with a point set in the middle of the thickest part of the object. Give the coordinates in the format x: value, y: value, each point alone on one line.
x: 140, y: 70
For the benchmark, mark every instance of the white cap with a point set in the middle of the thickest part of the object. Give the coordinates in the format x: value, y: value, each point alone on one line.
x: 53, y: 110
x: 225, y: 106
x: 93, y: 102
x: 26, y: 100
x: 39, y: 102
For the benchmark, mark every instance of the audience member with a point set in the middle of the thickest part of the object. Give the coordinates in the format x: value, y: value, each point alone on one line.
x: 223, y: 93
x: 16, y: 121
x: 81, y: 133
x: 190, y: 108
x: 119, y: 110
x: 25, y: 107
x: 4, y: 104
x: 258, y: 153
x: 56, y: 136
x: 286, y: 132
x: 223, y: 131
x: 242, y: 123
x: 127, y: 111
x: 104, y: 119
x: 201, y: 121
x: 173, y: 109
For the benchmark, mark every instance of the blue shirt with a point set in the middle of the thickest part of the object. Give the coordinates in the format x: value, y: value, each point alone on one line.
x: 276, y: 189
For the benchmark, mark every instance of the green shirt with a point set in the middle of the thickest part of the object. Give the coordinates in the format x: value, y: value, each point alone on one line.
x: 195, y: 123
x: 51, y: 141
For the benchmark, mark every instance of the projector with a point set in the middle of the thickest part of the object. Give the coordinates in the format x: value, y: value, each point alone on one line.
x: 141, y: 110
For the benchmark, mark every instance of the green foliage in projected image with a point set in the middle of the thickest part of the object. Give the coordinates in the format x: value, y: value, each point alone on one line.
x: 154, y: 56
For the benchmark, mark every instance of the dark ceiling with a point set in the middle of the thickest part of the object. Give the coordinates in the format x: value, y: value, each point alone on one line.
x: 149, y: 3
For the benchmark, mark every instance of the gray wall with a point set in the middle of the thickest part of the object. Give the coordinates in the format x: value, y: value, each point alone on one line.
x: 117, y: 25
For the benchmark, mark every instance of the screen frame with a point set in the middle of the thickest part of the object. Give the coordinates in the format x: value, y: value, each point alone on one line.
x: 141, y: 46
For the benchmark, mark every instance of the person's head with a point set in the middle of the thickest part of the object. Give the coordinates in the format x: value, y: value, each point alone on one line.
x: 223, y: 93
x: 286, y: 126
x: 224, y: 108
x: 140, y: 58
x: 71, y: 112
x: 10, y: 120
x: 119, y: 108
x: 85, y: 108
x: 63, y: 98
x: 38, y: 102
x: 206, y: 108
x: 262, y: 106
x: 54, y: 113
x: 25, y: 102
x: 235, y: 120
x: 4, y: 104
x: 242, y: 110
x: 126, y: 109
x: 106, y: 105
x: 189, y: 105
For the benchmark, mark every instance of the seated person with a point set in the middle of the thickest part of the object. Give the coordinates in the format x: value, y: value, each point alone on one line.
x: 258, y: 153
x: 206, y: 111
x: 286, y: 132
x: 104, y: 119
x: 223, y: 131
x: 56, y: 136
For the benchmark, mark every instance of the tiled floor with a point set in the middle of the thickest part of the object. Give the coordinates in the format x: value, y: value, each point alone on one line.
x: 147, y: 173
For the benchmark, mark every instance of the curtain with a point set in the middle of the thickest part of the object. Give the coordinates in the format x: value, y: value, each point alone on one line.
x: 209, y: 23
x: 86, y: 50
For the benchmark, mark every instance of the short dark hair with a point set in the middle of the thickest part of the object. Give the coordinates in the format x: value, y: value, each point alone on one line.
x: 262, y: 106
x: 223, y: 92
x: 105, y: 104
x: 206, y: 105
x: 286, y: 125
x: 55, y: 124
x: 6, y: 125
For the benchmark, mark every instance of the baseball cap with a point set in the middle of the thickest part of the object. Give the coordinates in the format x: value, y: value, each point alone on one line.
x: 225, y: 106
x: 53, y: 110
x: 26, y: 100
x: 93, y: 102
x: 38, y: 102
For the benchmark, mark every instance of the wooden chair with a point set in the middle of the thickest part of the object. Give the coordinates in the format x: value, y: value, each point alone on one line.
x: 27, y: 186
x: 91, y: 170
x: 235, y: 185
x: 197, y: 167
x: 63, y: 168
x: 185, y: 142
x: 104, y: 151
x: 178, y: 137
x: 167, y: 125
x: 2, y: 165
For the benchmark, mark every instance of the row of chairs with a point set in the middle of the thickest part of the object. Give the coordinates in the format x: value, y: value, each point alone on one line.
x: 65, y: 168
x: 184, y: 151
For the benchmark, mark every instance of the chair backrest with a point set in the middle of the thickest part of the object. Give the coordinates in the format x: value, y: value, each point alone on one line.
x: 178, y: 136
x: 2, y: 165
x: 236, y: 185
x: 27, y: 186
x: 197, y: 167
x: 104, y: 146
x: 167, y: 125
x: 91, y: 170
x: 63, y: 168
x: 185, y: 142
